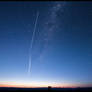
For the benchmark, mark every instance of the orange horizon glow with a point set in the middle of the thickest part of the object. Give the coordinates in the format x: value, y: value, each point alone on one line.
x: 16, y: 85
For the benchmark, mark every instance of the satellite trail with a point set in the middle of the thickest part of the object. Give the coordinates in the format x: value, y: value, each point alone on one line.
x: 31, y: 45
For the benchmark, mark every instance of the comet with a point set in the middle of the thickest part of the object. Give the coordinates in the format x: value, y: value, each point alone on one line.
x: 31, y: 45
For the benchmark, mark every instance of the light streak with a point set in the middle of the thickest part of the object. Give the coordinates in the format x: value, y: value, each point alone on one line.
x: 31, y: 45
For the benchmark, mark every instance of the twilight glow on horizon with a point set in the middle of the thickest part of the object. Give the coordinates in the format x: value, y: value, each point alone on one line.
x: 53, y: 48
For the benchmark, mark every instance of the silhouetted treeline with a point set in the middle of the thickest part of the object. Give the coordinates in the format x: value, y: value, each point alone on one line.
x: 49, y: 89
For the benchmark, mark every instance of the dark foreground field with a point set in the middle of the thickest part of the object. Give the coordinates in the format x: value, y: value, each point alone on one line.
x: 3, y: 89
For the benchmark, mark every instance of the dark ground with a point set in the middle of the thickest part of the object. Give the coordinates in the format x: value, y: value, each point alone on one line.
x: 3, y: 89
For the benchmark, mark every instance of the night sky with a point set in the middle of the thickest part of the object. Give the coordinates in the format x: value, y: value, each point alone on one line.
x: 61, y: 53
